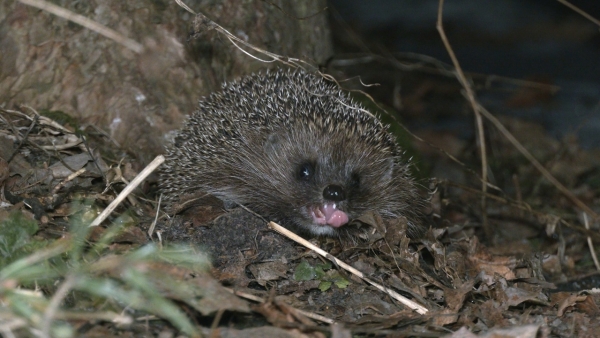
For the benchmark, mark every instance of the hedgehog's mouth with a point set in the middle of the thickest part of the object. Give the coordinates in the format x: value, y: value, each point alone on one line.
x: 328, y: 214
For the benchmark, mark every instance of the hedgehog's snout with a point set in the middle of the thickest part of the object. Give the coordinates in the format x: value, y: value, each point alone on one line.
x: 334, y: 193
x: 327, y: 213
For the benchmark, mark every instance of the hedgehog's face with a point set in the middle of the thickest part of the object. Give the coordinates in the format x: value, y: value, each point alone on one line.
x: 326, y: 193
x: 328, y: 181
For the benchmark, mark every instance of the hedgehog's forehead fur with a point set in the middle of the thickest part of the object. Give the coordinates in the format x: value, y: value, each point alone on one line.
x: 294, y: 99
x: 246, y: 143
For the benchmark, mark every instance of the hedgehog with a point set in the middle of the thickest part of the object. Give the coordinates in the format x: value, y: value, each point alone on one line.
x: 293, y: 148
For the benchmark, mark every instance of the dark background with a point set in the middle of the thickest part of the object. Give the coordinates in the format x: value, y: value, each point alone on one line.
x: 538, y: 40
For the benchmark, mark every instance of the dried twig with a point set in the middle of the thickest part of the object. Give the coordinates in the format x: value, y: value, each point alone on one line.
x: 429, y: 65
x: 586, y: 222
x: 68, y: 179
x: 24, y: 139
x: 411, y: 304
x: 542, y: 216
x: 128, y: 189
x: 257, y: 299
x: 52, y: 308
x: 87, y: 23
x: 153, y: 225
x: 580, y: 11
x: 202, y: 22
x: 509, y: 136
x: 479, y: 122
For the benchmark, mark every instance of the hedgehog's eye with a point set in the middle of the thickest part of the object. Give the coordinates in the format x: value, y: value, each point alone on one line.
x: 306, y: 171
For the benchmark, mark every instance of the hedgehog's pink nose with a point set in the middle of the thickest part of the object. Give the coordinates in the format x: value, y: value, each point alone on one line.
x: 329, y: 214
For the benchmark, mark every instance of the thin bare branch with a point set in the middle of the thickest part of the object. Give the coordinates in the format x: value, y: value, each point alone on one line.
x: 411, y: 304
x: 158, y: 160
x: 87, y: 23
x: 478, y: 120
x: 580, y: 11
x: 510, y: 137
